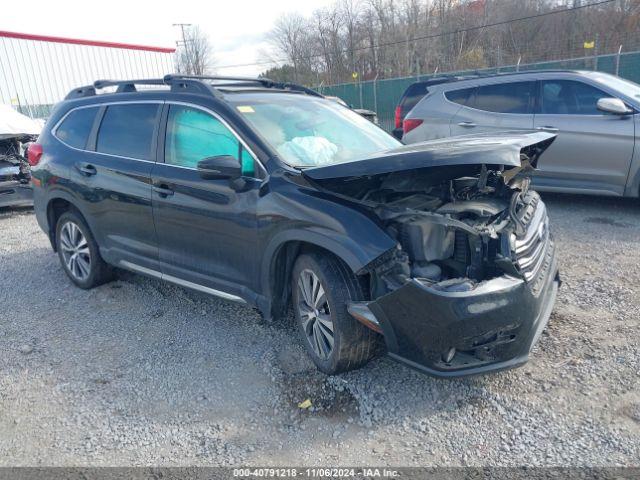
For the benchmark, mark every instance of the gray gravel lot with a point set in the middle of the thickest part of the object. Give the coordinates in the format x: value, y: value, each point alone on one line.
x: 138, y: 372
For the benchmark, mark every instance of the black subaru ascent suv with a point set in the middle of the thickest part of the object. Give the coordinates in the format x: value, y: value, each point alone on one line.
x: 269, y: 194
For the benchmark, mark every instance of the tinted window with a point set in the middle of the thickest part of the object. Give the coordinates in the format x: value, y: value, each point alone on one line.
x: 127, y: 130
x: 412, y: 96
x: 459, y: 96
x: 513, y: 97
x: 193, y: 135
x: 75, y: 129
x: 566, y: 97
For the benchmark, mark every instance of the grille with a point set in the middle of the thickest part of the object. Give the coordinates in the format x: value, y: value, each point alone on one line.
x: 530, y: 248
x: 530, y: 208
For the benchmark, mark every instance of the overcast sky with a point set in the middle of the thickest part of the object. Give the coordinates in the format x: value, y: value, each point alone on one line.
x: 236, y: 28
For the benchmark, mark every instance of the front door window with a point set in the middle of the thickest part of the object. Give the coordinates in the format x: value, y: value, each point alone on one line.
x: 567, y: 97
x: 193, y: 135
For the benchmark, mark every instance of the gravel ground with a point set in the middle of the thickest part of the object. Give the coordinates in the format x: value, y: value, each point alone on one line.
x: 138, y: 372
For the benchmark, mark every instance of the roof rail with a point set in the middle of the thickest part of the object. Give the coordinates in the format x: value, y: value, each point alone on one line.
x: 178, y: 76
x: 127, y: 85
x: 86, y: 91
x: 123, y: 86
x: 188, y: 83
x: 296, y: 87
x: 241, y: 81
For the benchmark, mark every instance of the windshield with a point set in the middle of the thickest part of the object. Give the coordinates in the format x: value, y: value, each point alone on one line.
x: 625, y: 87
x: 308, y: 131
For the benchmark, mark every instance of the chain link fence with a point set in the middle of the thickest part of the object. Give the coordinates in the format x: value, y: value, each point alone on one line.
x: 382, y: 96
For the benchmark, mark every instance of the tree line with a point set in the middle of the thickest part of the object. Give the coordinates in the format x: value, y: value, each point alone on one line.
x: 353, y: 40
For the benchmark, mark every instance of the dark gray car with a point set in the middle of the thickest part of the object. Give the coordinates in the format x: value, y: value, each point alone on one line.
x: 594, y: 115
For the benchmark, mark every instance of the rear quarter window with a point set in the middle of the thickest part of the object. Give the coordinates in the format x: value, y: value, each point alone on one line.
x: 412, y: 96
x: 459, y: 96
x: 127, y: 130
x: 76, y: 127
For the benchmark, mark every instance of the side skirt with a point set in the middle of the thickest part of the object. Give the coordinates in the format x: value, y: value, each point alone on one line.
x: 178, y: 281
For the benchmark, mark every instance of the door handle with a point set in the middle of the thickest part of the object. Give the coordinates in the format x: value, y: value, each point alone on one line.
x: 467, y: 124
x: 162, y: 190
x: 86, y: 169
x: 548, y: 128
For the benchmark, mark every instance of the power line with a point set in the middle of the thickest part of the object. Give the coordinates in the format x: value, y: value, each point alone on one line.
x: 427, y: 37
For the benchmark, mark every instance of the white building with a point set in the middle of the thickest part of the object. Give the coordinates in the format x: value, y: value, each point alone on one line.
x: 36, y: 71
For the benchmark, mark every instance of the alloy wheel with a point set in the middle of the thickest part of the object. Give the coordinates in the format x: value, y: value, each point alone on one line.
x: 75, y: 251
x: 315, y: 315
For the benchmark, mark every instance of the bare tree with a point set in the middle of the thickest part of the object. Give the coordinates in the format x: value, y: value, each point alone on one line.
x: 195, y: 55
x: 391, y: 38
x: 290, y: 37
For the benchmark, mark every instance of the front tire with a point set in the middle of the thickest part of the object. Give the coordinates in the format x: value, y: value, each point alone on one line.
x: 78, y: 252
x: 321, y: 287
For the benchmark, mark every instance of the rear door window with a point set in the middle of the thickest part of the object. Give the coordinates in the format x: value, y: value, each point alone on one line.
x: 514, y: 97
x: 567, y: 97
x: 76, y: 127
x: 127, y: 130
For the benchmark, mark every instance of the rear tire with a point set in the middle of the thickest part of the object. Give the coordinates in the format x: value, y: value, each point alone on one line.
x: 321, y: 287
x: 79, y: 253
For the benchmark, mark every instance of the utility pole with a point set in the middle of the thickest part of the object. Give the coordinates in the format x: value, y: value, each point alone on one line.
x: 183, y: 44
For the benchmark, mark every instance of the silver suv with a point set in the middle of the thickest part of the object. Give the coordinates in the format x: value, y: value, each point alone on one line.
x: 594, y: 114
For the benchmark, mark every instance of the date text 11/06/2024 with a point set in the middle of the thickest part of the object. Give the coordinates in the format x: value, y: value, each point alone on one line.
x: 315, y: 472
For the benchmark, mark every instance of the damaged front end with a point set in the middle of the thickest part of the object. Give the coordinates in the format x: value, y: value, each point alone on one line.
x: 471, y: 300
x: 472, y: 281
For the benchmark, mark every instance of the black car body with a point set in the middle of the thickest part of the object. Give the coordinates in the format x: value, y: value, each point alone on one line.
x: 441, y: 248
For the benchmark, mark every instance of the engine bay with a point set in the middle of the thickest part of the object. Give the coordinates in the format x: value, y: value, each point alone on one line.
x: 454, y: 234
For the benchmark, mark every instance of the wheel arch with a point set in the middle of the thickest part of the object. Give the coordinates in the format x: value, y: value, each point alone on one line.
x: 56, y: 206
x: 282, y: 252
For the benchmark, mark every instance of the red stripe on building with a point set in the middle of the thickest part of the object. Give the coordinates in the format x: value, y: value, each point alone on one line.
x: 90, y: 43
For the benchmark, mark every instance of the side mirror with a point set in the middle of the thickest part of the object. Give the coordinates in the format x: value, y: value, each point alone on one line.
x: 613, y: 105
x: 219, y: 167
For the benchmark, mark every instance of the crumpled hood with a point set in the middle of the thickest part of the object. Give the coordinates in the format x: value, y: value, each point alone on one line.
x: 501, y: 149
